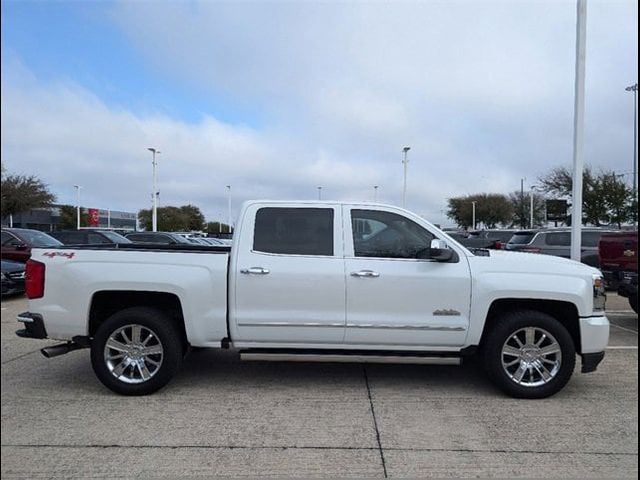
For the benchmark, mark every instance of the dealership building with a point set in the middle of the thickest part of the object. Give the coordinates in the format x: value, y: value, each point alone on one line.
x: 47, y: 219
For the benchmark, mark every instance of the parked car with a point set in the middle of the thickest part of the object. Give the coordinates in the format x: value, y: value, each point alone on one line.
x: 215, y: 242
x: 18, y: 242
x: 557, y: 241
x: 89, y: 237
x: 500, y: 236
x: 12, y: 277
x: 166, y: 238
x: 619, y: 263
x: 322, y: 281
x: 475, y: 242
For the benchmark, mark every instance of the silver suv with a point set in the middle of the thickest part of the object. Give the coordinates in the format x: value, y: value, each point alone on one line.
x: 557, y: 241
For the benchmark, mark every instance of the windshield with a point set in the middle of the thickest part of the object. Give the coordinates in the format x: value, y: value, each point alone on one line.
x: 38, y: 239
x: 181, y: 239
x: 116, y: 237
x: 504, y: 237
x: 522, y: 238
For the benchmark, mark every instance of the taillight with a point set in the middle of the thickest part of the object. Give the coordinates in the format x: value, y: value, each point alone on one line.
x: 498, y: 245
x: 34, y: 279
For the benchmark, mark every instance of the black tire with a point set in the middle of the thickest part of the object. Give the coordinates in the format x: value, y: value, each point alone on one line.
x: 503, y: 329
x: 633, y: 302
x: 166, y: 334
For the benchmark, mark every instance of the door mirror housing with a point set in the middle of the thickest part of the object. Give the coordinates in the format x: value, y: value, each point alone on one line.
x: 438, y: 251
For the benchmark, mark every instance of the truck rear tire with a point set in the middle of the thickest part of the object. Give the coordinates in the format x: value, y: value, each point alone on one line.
x: 136, y: 351
x: 529, y: 354
x: 633, y: 302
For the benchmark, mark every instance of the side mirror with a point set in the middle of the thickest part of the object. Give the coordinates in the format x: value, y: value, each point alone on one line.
x: 440, y: 251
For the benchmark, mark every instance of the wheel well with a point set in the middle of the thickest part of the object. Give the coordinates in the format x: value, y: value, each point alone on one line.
x: 565, y: 312
x: 106, y: 303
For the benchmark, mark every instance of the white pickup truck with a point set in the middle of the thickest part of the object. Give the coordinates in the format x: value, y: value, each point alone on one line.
x: 320, y: 281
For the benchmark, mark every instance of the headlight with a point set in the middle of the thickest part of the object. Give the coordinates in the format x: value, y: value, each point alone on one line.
x: 599, y: 295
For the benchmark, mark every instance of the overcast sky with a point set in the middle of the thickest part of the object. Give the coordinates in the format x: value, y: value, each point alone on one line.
x: 276, y: 99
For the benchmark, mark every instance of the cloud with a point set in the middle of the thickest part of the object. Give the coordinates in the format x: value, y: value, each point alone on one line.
x: 482, y: 92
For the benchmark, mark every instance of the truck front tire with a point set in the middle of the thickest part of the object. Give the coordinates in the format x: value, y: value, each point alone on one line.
x: 136, y: 351
x: 529, y: 354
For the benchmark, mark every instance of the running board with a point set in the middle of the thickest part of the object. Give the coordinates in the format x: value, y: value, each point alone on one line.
x: 348, y: 358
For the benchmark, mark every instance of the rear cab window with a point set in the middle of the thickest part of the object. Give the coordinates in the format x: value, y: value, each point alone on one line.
x: 294, y: 231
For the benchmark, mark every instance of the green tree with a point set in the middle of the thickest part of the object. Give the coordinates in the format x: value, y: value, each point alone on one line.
x: 491, y: 210
x: 605, y: 197
x: 174, y: 219
x: 217, y: 227
x: 21, y: 193
x: 521, y: 207
x: 69, y: 218
x: 616, y: 198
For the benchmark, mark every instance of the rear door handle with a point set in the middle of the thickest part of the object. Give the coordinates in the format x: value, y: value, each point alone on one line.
x: 365, y: 273
x: 255, y: 271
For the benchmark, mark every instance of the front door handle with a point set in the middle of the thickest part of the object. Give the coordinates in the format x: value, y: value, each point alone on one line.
x: 365, y: 273
x: 255, y: 271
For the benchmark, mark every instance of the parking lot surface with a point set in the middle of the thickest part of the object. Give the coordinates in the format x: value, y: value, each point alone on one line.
x: 223, y: 417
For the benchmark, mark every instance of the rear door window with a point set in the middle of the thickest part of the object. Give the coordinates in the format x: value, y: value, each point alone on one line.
x: 95, y: 238
x: 294, y: 231
x: 558, y: 239
x: 72, y: 238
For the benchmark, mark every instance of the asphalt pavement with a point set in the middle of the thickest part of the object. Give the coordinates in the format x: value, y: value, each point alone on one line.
x: 222, y: 417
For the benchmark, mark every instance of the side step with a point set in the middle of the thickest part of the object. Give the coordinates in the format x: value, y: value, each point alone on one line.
x: 349, y: 358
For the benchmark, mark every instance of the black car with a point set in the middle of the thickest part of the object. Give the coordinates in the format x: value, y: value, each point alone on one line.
x: 500, y: 237
x: 165, y: 238
x: 474, y: 242
x: 12, y: 277
x: 88, y: 237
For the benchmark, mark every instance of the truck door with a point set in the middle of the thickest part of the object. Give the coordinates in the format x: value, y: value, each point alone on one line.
x: 394, y: 298
x: 288, y: 277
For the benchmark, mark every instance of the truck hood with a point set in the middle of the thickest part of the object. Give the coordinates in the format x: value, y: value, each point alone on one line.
x: 522, y: 262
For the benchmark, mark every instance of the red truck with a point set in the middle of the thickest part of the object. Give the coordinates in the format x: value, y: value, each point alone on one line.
x: 619, y: 264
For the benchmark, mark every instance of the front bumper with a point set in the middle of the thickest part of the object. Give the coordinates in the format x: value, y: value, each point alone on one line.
x: 628, y: 285
x: 11, y: 287
x: 33, y: 326
x: 590, y: 361
x: 594, y: 334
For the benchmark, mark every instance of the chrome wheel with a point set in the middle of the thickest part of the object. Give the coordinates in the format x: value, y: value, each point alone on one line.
x: 133, y: 354
x: 531, y: 357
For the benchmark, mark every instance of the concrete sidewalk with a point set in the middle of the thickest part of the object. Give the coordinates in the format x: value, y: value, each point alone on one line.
x: 221, y: 417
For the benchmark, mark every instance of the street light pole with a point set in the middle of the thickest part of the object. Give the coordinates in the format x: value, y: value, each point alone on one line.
x: 578, y: 131
x: 375, y: 194
x: 319, y: 193
x: 634, y: 89
x: 404, y: 187
x: 77, y: 187
x: 473, y: 210
x: 154, y: 213
x: 229, y: 207
x: 533, y: 188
